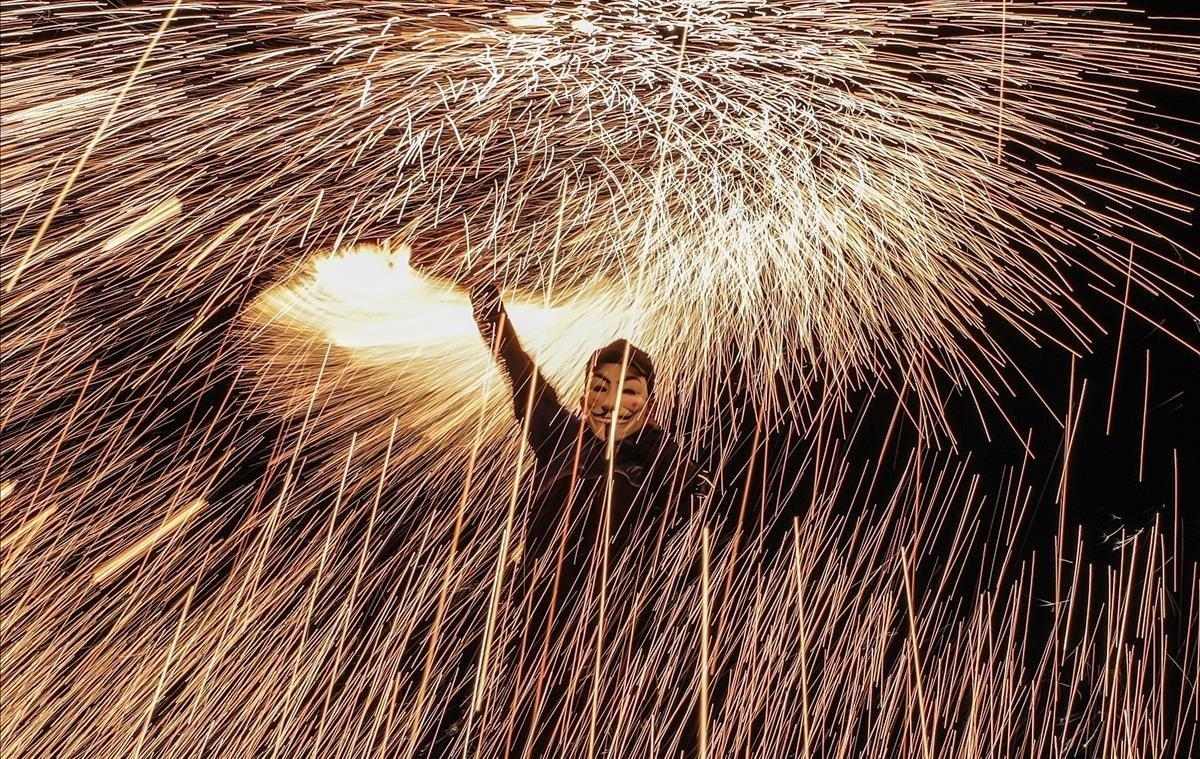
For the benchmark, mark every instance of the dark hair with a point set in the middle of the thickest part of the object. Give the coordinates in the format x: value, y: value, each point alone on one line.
x: 639, y: 363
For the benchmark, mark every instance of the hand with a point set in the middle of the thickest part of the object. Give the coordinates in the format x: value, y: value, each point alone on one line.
x: 702, y: 486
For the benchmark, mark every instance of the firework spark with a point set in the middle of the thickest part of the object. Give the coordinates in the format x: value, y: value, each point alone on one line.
x: 258, y: 468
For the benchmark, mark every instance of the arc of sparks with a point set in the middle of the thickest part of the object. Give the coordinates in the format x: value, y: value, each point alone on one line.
x: 91, y: 146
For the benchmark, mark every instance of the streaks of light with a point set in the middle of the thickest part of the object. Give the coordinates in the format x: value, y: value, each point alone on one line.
x: 27, y: 530
x: 168, y: 209
x: 197, y: 257
x: 753, y: 218
x: 172, y: 523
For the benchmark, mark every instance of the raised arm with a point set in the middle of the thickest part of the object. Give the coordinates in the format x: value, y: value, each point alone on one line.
x: 524, y: 377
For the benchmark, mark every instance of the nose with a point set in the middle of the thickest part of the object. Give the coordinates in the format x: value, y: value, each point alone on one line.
x: 604, y: 401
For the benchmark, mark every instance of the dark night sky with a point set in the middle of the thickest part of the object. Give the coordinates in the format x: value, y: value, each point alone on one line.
x: 1104, y: 486
x: 1105, y: 493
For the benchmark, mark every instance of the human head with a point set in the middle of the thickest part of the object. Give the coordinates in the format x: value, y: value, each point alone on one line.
x: 600, y: 400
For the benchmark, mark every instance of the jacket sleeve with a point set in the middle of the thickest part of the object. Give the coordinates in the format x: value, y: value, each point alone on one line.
x: 530, y: 390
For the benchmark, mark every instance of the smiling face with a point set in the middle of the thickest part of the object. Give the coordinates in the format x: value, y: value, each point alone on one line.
x: 600, y: 402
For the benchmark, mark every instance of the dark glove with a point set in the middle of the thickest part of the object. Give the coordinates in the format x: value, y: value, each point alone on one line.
x: 702, y: 486
x: 699, y: 492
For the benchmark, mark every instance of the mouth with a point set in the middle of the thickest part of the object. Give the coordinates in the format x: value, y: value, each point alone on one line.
x: 607, y: 418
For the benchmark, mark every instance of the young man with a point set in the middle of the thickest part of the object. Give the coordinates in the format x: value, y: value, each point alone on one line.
x: 607, y: 458
x: 649, y: 470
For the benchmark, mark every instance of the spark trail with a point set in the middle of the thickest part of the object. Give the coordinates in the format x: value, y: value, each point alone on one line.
x: 241, y: 387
